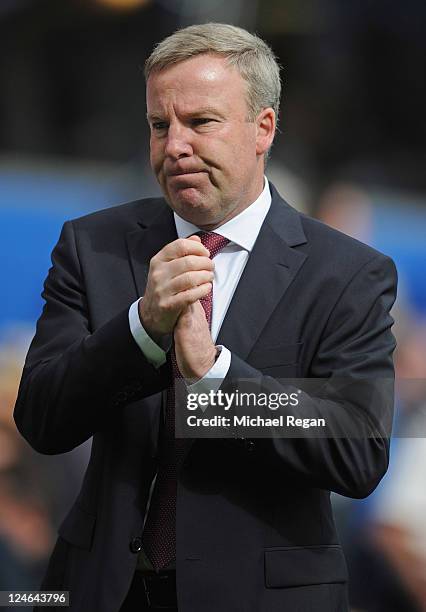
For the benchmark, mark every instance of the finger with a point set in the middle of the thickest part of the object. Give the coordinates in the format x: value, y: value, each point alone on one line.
x: 189, y: 280
x: 187, y: 310
x: 189, y: 263
x: 194, y: 237
x: 186, y: 314
x: 184, y: 298
x: 181, y: 248
x: 197, y: 306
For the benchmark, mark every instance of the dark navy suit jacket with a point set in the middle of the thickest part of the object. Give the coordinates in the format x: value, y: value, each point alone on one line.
x: 255, y: 531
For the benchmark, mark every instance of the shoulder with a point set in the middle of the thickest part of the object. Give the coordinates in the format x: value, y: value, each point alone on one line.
x: 320, y: 240
x: 334, y: 243
x: 344, y: 259
x: 330, y: 254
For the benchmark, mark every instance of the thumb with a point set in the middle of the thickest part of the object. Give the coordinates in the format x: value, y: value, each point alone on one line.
x: 197, y: 239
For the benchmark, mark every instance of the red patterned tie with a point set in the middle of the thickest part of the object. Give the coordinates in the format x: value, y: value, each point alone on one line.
x: 159, y: 536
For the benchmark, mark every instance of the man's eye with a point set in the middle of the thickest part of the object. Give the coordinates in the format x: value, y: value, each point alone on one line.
x: 159, y: 125
x: 202, y: 121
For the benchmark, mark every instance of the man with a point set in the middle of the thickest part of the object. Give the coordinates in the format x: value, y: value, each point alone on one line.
x: 237, y: 524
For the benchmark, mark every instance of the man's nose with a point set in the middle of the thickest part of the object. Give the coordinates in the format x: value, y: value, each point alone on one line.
x: 178, y: 142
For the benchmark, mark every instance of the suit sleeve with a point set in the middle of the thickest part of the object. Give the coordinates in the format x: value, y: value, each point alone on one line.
x: 75, y: 379
x: 353, y: 364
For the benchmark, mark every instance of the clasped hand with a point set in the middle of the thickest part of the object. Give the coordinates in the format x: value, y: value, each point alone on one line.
x: 179, y: 276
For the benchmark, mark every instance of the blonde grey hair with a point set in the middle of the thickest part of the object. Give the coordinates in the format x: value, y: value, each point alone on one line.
x: 253, y: 58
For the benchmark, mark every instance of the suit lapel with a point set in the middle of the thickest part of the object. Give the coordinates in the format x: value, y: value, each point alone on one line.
x: 144, y: 242
x: 271, y: 267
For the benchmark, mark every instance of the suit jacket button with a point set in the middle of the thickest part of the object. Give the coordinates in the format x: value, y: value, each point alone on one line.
x: 135, y: 544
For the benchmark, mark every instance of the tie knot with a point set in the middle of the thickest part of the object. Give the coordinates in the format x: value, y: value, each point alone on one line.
x: 213, y: 242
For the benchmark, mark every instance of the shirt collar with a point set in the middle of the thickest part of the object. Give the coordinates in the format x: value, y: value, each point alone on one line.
x: 242, y: 229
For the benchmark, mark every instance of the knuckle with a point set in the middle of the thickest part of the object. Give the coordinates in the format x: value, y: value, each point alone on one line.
x: 188, y: 262
x: 155, y: 275
x: 183, y: 264
x: 182, y: 281
x: 157, y: 294
x: 189, y: 280
x: 164, y: 304
x: 180, y: 247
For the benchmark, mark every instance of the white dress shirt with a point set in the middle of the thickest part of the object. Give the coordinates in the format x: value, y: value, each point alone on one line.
x: 242, y: 232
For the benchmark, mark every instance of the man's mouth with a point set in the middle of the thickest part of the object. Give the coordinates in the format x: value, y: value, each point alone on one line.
x: 183, y: 173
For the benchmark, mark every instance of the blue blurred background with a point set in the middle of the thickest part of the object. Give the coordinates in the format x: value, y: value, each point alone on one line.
x: 351, y: 151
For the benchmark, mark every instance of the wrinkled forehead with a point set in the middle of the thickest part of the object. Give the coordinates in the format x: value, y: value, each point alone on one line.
x: 204, y: 79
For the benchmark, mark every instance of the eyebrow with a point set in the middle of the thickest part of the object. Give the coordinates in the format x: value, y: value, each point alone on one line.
x: 153, y: 117
x: 207, y: 110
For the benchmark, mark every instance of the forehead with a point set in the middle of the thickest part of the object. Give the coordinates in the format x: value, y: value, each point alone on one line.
x: 204, y: 79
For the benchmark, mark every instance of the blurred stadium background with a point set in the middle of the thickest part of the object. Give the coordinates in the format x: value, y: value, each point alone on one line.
x: 351, y: 151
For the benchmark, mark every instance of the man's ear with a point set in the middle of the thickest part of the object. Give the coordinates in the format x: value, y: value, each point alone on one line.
x: 265, y: 130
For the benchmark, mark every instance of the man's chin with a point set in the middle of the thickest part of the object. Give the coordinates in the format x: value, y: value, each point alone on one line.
x: 187, y: 196
x: 192, y: 206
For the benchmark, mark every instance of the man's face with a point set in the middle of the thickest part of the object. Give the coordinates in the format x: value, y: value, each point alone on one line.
x: 206, y: 155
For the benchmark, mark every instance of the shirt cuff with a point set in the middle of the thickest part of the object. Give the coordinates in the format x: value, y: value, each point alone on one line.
x: 156, y: 355
x: 212, y: 380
